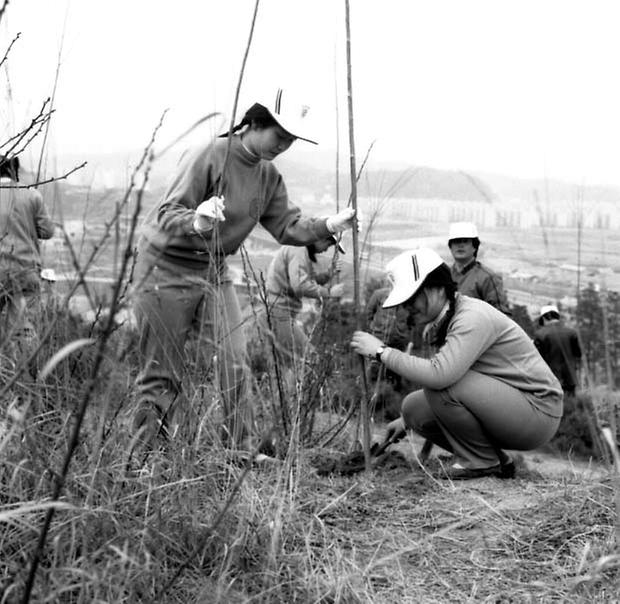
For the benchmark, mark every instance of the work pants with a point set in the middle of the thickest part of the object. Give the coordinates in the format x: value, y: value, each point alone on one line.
x: 172, y: 303
x: 476, y: 416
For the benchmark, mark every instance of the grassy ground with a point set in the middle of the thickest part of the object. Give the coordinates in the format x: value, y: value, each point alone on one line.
x: 155, y: 533
x: 194, y: 524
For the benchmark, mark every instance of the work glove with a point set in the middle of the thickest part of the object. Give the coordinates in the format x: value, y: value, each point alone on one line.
x: 336, y: 291
x: 395, y: 431
x: 341, y: 221
x: 208, y: 213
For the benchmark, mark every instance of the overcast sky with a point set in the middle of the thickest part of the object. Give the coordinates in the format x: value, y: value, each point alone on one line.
x: 526, y: 87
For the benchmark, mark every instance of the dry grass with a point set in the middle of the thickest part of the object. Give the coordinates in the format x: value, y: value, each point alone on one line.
x: 396, y: 535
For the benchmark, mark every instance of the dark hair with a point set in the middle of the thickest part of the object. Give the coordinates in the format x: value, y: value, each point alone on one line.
x: 548, y: 316
x: 258, y: 115
x: 441, y: 277
x: 9, y: 167
x: 476, y: 243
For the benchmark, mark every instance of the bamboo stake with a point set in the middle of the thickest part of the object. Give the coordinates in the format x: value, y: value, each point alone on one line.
x: 220, y: 185
x: 337, y: 138
x: 356, y: 268
x: 53, y: 97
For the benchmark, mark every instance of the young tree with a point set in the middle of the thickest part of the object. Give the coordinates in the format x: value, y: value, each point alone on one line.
x: 590, y: 324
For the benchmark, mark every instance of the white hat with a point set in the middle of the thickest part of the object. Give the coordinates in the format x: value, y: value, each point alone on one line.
x: 407, y: 272
x: 548, y: 308
x: 290, y: 114
x: 463, y: 230
x: 48, y: 274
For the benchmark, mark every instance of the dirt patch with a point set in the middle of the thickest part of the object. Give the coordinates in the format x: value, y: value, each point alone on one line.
x: 409, y: 537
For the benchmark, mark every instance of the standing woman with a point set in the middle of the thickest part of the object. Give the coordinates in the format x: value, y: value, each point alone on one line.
x: 485, y: 389
x: 181, y: 277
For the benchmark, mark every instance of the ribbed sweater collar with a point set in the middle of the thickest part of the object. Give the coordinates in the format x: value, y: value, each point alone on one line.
x: 242, y: 154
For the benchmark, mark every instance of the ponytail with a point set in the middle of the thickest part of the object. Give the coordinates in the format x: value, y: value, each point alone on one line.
x: 442, y: 277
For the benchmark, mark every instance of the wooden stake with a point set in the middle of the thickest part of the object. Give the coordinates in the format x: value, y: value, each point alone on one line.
x: 356, y: 268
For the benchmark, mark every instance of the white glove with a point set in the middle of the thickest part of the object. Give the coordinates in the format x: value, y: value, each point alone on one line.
x: 208, y: 213
x: 336, y: 291
x: 341, y: 221
x: 360, y: 219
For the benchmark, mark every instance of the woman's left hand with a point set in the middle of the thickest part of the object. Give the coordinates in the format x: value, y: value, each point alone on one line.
x: 365, y: 343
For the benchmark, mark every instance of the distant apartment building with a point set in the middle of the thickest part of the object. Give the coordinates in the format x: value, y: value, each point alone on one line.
x: 514, y: 213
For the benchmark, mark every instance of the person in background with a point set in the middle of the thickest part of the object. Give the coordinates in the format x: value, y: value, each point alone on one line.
x: 24, y: 221
x: 217, y: 196
x: 484, y: 390
x: 292, y: 275
x: 473, y: 278
x: 559, y: 346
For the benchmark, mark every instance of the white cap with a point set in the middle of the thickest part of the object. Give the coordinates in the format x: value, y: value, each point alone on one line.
x: 48, y: 274
x: 290, y: 114
x: 463, y: 230
x: 548, y: 308
x: 407, y: 272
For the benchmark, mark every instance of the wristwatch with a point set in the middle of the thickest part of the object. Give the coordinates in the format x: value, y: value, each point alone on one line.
x: 379, y: 352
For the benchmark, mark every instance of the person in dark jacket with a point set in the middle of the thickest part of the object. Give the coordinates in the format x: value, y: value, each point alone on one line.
x: 473, y: 278
x: 559, y: 345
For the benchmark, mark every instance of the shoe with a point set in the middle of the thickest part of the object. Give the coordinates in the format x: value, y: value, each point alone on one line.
x: 504, y: 471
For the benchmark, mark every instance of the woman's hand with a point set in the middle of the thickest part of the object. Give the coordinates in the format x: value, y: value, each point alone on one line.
x: 208, y: 213
x: 336, y: 290
x: 396, y: 430
x: 341, y: 221
x: 365, y: 343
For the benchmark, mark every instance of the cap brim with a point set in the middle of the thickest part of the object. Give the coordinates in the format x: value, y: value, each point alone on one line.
x: 394, y: 299
x: 398, y: 296
x: 293, y: 125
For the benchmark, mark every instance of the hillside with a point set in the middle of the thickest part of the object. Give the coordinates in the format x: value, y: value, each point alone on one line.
x: 313, y: 171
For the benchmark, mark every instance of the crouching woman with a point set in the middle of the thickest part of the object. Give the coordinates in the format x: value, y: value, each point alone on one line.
x: 485, y: 389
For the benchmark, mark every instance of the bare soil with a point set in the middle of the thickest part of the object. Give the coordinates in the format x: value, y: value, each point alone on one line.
x: 545, y: 536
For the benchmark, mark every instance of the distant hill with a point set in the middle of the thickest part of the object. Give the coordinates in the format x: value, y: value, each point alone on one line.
x: 312, y: 171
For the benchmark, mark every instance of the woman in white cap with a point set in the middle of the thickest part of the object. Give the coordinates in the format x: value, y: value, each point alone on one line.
x: 485, y: 389
x: 217, y: 196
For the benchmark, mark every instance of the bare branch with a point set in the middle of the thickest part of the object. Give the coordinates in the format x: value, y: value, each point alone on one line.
x: 45, y: 182
x: 36, y: 124
x: 3, y: 8
x: 8, y: 50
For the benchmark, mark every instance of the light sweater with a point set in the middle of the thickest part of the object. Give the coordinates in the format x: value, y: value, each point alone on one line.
x: 291, y: 276
x: 23, y: 221
x: 253, y: 191
x: 481, y: 338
